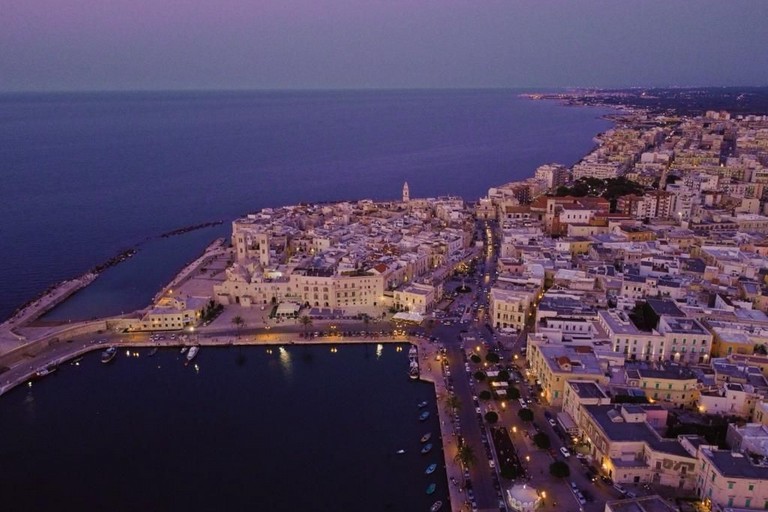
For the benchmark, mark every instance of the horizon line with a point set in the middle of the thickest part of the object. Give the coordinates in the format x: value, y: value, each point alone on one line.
x: 372, y: 89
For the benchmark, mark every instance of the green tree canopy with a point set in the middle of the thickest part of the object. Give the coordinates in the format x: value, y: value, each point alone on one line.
x: 542, y: 440
x: 491, y: 417
x: 492, y: 357
x: 475, y: 358
x: 479, y: 375
x: 512, y: 392
x: 525, y: 414
x: 465, y: 456
x: 485, y: 395
x: 559, y: 469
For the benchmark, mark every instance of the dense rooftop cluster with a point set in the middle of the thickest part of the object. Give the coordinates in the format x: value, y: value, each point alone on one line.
x: 650, y: 304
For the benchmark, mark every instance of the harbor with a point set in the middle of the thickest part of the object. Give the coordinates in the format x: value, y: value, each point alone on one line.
x: 217, y: 381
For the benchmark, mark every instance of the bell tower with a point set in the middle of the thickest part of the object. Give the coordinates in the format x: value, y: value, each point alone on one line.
x: 406, y: 193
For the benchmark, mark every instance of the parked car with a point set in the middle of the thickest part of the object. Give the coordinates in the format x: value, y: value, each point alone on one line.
x: 565, y: 452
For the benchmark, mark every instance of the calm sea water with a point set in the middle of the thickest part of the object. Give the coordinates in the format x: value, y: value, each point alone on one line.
x: 86, y: 175
x: 299, y: 429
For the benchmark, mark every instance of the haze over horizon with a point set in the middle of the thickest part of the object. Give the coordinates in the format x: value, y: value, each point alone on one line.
x: 80, y: 45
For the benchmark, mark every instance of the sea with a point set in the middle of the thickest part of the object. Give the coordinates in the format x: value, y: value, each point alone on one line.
x: 88, y: 175
x: 244, y: 428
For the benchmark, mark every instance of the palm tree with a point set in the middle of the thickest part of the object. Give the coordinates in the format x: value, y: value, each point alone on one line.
x: 465, y: 456
x: 239, y: 323
x: 453, y: 402
x: 306, y: 322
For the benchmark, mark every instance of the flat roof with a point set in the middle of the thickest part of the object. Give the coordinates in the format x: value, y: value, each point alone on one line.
x: 735, y: 465
x: 652, y: 503
x: 618, y: 431
x: 586, y: 389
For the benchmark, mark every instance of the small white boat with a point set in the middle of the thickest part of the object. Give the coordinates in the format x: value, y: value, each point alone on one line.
x: 436, y: 506
x: 192, y: 353
x: 183, y: 349
x: 400, y: 452
x: 108, y: 354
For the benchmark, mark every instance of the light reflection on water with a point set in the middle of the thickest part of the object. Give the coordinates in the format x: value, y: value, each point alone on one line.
x: 285, y: 362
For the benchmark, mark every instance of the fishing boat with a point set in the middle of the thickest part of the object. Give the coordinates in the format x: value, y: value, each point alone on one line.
x: 153, y: 352
x: 183, y: 349
x: 426, y: 437
x: 192, y: 353
x: 413, y: 370
x: 423, y: 404
x: 431, y: 488
x: 436, y: 506
x: 108, y: 354
x: 400, y: 451
x: 430, y: 469
x: 426, y: 449
x: 423, y: 416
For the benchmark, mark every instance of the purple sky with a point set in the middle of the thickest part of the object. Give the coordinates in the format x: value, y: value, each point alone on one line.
x: 225, y: 44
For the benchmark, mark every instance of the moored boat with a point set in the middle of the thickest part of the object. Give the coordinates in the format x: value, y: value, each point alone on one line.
x: 400, y: 451
x: 423, y: 416
x: 426, y: 437
x: 192, y: 353
x: 427, y: 448
x: 45, y: 371
x: 431, y: 488
x: 430, y: 469
x: 436, y: 506
x: 108, y: 354
x: 153, y: 352
x: 423, y: 404
x: 183, y: 349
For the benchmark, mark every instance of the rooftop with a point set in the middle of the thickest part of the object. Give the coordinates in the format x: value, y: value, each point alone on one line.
x: 608, y: 418
x: 734, y: 465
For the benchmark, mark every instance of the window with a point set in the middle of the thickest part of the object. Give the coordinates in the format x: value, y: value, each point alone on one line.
x: 730, y: 485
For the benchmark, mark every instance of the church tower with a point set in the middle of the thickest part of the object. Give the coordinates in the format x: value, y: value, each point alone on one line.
x: 406, y: 193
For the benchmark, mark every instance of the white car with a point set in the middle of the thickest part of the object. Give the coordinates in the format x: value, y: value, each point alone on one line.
x: 565, y: 452
x: 552, y: 422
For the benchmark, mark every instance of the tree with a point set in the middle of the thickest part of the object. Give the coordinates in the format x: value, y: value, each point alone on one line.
x: 559, y: 469
x: 475, y: 358
x: 492, y: 357
x: 465, y: 456
x: 644, y: 317
x: 491, y: 417
x: 485, y: 395
x: 509, y: 472
x: 525, y: 414
x: 503, y: 375
x: 513, y: 393
x: 542, y: 440
x: 479, y: 376
x: 239, y: 323
x: 306, y: 322
x: 453, y: 402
